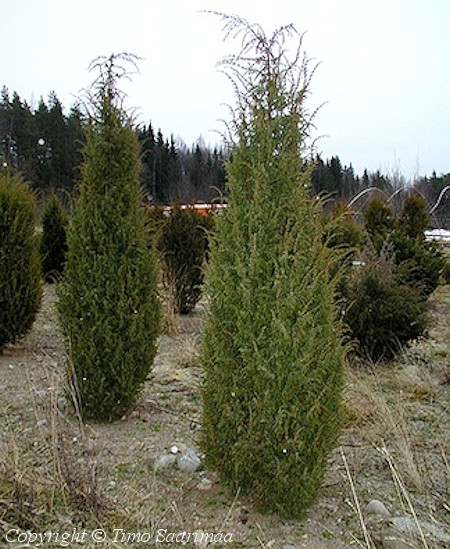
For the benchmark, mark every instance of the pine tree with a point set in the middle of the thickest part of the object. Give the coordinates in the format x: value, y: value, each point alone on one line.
x: 272, y: 354
x: 108, y: 301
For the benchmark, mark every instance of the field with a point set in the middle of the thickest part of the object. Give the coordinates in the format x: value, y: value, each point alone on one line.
x: 60, y: 476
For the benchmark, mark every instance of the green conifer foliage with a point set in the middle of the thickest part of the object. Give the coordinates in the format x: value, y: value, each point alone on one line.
x: 108, y: 299
x: 54, y: 239
x: 184, y: 246
x: 414, y: 218
x: 20, y: 268
x: 383, y: 313
x: 272, y: 354
x: 342, y: 231
x: 419, y: 263
x: 379, y: 221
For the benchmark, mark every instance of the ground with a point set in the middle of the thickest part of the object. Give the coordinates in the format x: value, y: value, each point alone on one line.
x: 59, y: 475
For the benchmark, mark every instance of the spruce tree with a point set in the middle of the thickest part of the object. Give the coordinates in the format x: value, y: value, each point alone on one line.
x: 272, y: 350
x: 108, y: 298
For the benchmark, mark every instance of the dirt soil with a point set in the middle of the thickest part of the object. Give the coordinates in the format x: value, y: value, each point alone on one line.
x: 61, y: 475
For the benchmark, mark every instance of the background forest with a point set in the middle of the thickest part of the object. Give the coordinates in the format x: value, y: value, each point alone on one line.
x: 45, y: 144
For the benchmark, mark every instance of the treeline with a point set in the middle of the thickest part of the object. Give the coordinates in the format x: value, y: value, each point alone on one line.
x: 332, y: 178
x: 41, y: 142
x: 46, y: 145
x: 172, y: 172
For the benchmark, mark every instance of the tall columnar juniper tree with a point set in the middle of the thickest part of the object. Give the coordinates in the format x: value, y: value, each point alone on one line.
x: 20, y: 266
x: 108, y: 298
x: 273, y: 352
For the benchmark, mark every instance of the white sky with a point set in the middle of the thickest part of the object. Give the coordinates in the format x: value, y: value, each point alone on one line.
x: 384, y: 72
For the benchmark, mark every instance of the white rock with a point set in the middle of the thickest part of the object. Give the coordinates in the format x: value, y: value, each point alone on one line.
x: 164, y: 461
x: 409, y: 525
x: 189, y: 461
x: 376, y: 507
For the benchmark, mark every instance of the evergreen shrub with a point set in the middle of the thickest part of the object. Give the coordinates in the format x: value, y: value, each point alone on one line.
x: 53, y: 244
x: 272, y: 350
x: 108, y: 297
x: 414, y: 217
x: 20, y: 268
x: 184, y: 247
x: 343, y: 232
x: 419, y: 263
x: 379, y: 220
x: 383, y: 313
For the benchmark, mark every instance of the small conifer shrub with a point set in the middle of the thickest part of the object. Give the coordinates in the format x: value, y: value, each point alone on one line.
x: 272, y: 350
x: 379, y: 221
x: 343, y: 232
x: 414, y: 217
x: 419, y: 263
x: 54, y: 239
x: 383, y: 314
x: 20, y: 268
x: 108, y: 297
x: 184, y: 246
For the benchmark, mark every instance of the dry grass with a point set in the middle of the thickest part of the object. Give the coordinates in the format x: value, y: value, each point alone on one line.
x: 383, y: 414
x: 170, y: 326
x: 49, y: 474
x: 401, y: 410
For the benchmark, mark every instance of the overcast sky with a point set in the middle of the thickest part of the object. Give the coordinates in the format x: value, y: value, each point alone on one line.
x: 384, y: 67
